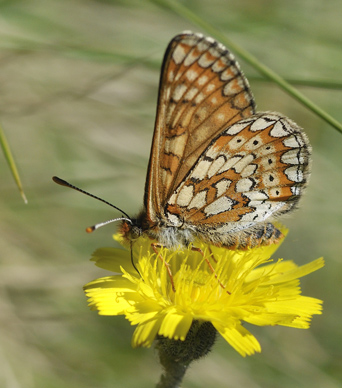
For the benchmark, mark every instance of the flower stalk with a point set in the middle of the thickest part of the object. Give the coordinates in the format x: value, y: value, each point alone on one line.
x: 176, y: 355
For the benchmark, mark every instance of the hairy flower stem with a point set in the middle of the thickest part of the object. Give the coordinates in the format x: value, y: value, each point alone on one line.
x: 176, y: 355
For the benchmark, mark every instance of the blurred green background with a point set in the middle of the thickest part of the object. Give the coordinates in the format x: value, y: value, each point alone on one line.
x: 78, y: 88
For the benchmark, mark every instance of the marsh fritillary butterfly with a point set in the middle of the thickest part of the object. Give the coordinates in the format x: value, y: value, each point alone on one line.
x: 218, y: 170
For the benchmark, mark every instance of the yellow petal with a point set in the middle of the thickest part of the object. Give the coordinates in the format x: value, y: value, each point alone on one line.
x: 175, y: 325
x: 146, y: 332
x: 296, y: 272
x: 112, y: 258
x: 240, y: 339
x: 109, y: 295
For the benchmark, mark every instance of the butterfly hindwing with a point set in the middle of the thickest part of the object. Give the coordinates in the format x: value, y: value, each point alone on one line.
x: 255, y: 169
x: 201, y: 92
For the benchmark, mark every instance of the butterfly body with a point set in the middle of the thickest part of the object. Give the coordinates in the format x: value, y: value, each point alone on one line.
x: 218, y: 171
x: 174, y: 237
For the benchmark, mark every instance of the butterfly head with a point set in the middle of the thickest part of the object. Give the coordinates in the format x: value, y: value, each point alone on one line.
x: 130, y: 230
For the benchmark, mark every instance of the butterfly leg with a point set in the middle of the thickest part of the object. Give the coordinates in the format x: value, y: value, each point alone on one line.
x: 212, y: 269
x: 167, y: 265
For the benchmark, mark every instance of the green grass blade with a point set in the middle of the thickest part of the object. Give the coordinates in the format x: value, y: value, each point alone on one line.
x: 10, y: 160
x: 186, y: 13
x: 312, y: 83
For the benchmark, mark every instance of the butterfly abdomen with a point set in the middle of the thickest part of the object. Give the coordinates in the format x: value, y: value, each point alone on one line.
x: 262, y: 235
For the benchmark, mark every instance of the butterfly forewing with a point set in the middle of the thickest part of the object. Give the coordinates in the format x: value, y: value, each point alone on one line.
x: 255, y: 169
x: 202, y: 91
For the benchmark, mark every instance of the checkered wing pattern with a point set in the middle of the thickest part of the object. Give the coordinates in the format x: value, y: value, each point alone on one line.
x: 202, y: 92
x: 255, y: 169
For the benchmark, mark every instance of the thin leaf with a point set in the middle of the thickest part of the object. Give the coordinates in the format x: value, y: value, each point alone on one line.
x: 10, y: 160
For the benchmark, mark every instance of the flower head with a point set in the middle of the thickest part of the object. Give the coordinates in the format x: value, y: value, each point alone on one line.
x: 237, y: 287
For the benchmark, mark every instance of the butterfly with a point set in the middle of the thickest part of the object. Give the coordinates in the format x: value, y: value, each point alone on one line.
x: 218, y: 170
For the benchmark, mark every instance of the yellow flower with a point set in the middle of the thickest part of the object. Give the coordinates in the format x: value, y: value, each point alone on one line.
x: 246, y: 287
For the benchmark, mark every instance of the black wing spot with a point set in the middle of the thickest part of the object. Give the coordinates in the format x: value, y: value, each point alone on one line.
x: 208, y: 158
x: 195, y: 180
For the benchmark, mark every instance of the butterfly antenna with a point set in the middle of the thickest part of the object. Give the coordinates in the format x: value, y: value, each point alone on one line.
x: 127, y: 218
x: 100, y: 224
